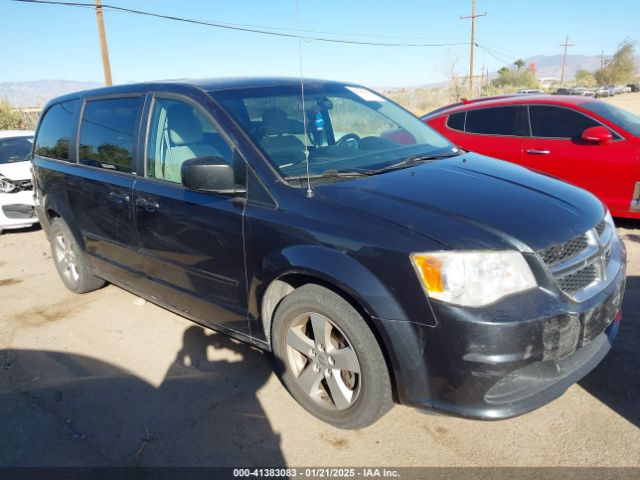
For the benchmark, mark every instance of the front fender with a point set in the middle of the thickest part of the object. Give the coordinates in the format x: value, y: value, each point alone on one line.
x: 341, y: 270
x: 402, y: 340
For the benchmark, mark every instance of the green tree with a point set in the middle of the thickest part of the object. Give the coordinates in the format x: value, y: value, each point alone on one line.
x: 10, y: 119
x: 585, y: 78
x: 621, y: 68
x: 518, y: 77
x: 519, y: 63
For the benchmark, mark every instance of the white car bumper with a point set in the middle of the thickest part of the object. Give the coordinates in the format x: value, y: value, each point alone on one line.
x: 17, y: 210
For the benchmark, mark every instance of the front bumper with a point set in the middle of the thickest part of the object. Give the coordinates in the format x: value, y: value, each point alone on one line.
x: 506, y: 359
x: 17, y: 210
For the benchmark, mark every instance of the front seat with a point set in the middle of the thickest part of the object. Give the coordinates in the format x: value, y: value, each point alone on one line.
x: 185, y: 141
x: 283, y: 148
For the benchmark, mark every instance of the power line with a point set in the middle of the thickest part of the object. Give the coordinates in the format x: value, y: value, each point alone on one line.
x: 493, y: 54
x: 499, y: 49
x: 249, y: 29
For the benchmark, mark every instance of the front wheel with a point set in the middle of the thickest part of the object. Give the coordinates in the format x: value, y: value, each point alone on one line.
x: 329, y: 359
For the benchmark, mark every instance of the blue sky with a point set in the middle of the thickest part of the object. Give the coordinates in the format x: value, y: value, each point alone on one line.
x: 56, y: 42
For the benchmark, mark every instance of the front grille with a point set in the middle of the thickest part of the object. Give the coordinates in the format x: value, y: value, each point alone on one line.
x: 22, y: 185
x: 580, y: 264
x: 559, y: 253
x: 577, y: 281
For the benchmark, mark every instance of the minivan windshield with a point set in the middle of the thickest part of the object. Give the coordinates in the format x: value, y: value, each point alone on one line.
x: 349, y: 129
x: 616, y: 115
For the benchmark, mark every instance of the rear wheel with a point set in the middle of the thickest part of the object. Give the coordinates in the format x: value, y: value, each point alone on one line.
x: 67, y: 256
x: 329, y: 359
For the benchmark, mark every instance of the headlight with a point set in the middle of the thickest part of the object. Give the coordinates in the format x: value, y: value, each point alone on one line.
x: 6, y: 186
x: 609, y: 220
x: 472, y: 279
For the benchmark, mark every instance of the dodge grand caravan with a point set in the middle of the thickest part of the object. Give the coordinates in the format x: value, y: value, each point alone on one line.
x: 377, y: 261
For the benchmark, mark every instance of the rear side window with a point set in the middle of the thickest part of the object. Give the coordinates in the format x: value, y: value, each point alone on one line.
x: 456, y: 121
x: 56, y: 130
x: 107, y: 133
x: 508, y: 121
x: 558, y: 122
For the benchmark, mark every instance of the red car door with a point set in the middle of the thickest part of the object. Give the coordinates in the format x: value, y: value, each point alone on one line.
x: 494, y: 131
x: 607, y: 170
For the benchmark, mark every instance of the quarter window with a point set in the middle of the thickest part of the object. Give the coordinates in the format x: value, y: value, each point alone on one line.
x: 179, y: 132
x: 509, y: 121
x: 558, y: 122
x: 107, y: 134
x: 56, y: 130
x: 456, y: 121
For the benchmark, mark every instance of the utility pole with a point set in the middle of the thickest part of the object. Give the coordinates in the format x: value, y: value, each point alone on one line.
x: 473, y: 32
x: 601, y: 59
x: 564, y: 56
x: 103, y: 44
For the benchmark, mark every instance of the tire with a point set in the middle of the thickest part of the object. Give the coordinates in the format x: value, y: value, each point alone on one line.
x: 314, y: 320
x: 69, y: 260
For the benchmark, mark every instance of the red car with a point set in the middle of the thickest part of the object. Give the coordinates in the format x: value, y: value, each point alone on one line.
x: 586, y: 142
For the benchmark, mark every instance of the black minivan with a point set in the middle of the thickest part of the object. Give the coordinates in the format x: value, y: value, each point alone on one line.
x: 323, y: 222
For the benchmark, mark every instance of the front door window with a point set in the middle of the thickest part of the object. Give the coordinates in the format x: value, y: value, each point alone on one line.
x: 180, y: 132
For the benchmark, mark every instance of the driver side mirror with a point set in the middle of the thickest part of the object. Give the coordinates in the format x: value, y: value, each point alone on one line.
x: 208, y: 174
x: 599, y: 135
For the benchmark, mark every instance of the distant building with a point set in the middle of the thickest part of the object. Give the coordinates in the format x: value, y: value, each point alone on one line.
x: 548, y: 81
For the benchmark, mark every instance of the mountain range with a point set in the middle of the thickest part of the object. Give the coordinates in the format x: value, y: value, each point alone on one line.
x: 36, y: 93
x: 551, y: 65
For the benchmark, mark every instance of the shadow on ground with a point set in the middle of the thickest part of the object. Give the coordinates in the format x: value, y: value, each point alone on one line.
x: 61, y: 409
x: 616, y: 381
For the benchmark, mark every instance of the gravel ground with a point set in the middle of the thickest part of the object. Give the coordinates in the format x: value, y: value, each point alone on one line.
x: 107, y: 379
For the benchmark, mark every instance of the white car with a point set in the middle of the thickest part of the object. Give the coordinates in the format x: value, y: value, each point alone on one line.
x: 529, y: 91
x: 17, y: 208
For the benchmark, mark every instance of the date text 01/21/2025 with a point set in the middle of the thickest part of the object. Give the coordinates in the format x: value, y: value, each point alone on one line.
x: 316, y: 472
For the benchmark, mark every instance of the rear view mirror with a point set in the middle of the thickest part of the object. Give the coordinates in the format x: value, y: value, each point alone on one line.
x: 597, y: 134
x: 208, y: 174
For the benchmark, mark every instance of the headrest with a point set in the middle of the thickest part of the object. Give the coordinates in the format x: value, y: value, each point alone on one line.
x: 274, y: 122
x: 184, y: 126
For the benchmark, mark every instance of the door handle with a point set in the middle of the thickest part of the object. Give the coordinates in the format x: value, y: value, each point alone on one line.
x: 119, y: 198
x: 149, y: 204
x: 534, y: 151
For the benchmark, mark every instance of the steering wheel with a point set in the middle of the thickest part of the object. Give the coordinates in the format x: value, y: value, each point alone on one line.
x: 349, y: 137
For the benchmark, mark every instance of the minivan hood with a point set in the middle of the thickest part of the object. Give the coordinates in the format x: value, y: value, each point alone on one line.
x: 474, y: 202
x: 16, y: 170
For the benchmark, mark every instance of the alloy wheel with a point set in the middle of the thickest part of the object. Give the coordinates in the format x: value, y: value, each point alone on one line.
x: 65, y: 257
x: 323, y: 361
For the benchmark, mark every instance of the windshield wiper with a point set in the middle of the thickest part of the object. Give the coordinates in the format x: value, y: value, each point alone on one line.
x: 333, y: 174
x: 407, y: 162
x: 343, y: 173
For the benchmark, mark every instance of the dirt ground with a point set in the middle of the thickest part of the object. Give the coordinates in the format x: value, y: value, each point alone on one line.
x: 108, y: 379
